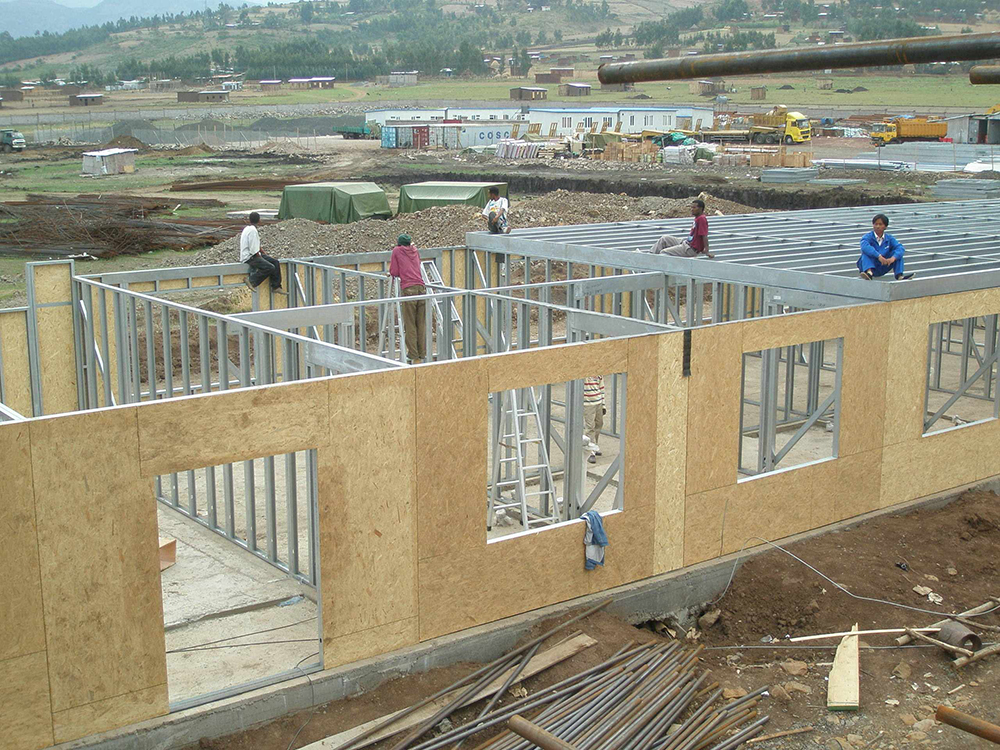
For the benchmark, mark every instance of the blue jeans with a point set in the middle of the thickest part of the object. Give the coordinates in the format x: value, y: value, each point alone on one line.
x: 877, y: 269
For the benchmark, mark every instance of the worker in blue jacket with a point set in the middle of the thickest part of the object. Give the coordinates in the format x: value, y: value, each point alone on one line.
x: 881, y: 252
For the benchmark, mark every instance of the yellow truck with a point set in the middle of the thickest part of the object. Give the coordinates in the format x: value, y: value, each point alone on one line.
x: 777, y: 126
x: 900, y: 129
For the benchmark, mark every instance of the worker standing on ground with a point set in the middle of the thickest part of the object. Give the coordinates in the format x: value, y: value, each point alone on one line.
x: 261, y: 266
x: 593, y: 414
x: 695, y: 244
x: 405, y: 266
x: 496, y: 212
x: 881, y: 252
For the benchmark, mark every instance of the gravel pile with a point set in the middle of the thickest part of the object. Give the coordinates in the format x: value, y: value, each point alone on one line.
x: 444, y: 226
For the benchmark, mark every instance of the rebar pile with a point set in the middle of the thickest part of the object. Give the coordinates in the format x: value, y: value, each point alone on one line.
x: 105, y: 225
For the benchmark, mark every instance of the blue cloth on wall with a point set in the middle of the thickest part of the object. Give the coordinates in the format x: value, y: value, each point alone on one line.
x: 594, y: 540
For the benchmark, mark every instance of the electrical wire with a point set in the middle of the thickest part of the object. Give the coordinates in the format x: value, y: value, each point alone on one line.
x: 312, y: 699
x: 827, y: 578
x: 244, y: 635
x: 190, y: 649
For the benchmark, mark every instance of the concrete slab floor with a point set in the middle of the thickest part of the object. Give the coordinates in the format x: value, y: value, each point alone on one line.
x: 218, y: 591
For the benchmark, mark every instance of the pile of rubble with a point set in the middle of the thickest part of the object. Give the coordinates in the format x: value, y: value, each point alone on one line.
x: 445, y: 226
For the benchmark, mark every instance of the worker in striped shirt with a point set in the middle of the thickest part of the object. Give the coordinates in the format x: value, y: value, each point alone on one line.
x: 593, y: 414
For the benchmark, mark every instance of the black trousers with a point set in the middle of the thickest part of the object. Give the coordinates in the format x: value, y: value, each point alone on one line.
x: 264, y: 266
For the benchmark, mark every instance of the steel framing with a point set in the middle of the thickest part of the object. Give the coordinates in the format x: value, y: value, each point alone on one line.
x: 971, y: 346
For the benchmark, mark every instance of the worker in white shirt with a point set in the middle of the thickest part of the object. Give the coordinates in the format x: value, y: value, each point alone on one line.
x: 593, y: 414
x: 261, y: 266
x: 496, y: 213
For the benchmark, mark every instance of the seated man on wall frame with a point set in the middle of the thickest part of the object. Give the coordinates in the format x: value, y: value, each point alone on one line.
x: 881, y: 252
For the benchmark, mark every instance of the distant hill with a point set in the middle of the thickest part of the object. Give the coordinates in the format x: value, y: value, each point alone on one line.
x: 25, y: 17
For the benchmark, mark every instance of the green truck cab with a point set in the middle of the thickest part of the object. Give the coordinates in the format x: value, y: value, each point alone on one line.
x: 12, y: 140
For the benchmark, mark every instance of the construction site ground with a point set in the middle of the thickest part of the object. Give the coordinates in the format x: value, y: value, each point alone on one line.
x: 774, y: 596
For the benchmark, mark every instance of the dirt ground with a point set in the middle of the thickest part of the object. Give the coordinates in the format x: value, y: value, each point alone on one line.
x: 953, y: 550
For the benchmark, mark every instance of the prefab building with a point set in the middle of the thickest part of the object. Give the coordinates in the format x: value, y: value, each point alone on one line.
x: 547, y: 77
x: 446, y: 135
x: 202, y: 97
x: 321, y: 82
x: 270, y: 85
x: 86, y: 100
x: 574, y: 89
x: 567, y: 120
x: 12, y: 95
x: 530, y: 93
x: 109, y: 161
x: 564, y: 72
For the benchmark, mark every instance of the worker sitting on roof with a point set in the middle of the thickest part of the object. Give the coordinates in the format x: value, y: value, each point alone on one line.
x: 695, y: 244
x: 881, y: 252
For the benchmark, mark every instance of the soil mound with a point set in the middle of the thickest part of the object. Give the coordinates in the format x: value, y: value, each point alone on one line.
x: 126, y: 141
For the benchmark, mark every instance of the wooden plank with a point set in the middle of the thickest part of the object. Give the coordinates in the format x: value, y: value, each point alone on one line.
x: 99, y: 561
x: 22, y: 629
x: 854, y: 631
x: 843, y: 689
x: 25, y: 713
x: 367, y: 504
x: 539, y: 663
x: 168, y: 552
x: 211, y: 429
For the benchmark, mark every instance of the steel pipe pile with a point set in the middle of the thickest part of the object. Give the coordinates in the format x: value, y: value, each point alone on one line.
x: 649, y: 697
x: 856, y: 55
x: 984, y: 74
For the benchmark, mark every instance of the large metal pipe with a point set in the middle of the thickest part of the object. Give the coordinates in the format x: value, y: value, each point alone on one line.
x: 856, y: 55
x: 537, y: 735
x: 969, y: 724
x: 984, y: 74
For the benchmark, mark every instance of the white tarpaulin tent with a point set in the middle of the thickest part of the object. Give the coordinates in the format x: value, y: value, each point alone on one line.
x: 109, y: 161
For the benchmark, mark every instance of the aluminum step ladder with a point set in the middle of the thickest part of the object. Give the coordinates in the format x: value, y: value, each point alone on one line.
x: 391, y: 336
x: 432, y: 276
x: 518, y: 428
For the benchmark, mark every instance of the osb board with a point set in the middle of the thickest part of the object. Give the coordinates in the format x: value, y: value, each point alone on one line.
x: 964, y: 305
x: 367, y: 503
x: 906, y: 371
x: 110, y: 713
x: 511, y: 576
x: 556, y: 364
x: 788, y: 502
x: 639, y: 477
x: 795, y: 328
x: 866, y: 350
x: 234, y: 278
x: 779, y: 505
x: 22, y: 630
x: 208, y: 430
x: 57, y: 359
x: 939, y: 462
x: 143, y: 287
x: 671, y: 453
x: 14, y: 349
x: 367, y: 643
x: 25, y: 713
x: 99, y: 557
x: 53, y: 283
x: 714, y: 406
x: 168, y: 284
x: 454, y: 258
x: 451, y: 427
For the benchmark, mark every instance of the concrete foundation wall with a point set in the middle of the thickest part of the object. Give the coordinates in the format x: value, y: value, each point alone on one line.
x: 402, y: 470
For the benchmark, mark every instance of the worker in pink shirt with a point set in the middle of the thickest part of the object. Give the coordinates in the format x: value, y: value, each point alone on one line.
x: 405, y: 266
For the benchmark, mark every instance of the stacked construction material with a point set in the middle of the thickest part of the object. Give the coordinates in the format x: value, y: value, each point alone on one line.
x: 966, y: 189
x: 106, y: 225
x: 510, y: 149
x: 835, y: 182
x: 789, y: 174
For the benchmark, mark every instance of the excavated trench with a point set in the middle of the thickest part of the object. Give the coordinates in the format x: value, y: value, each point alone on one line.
x: 747, y: 192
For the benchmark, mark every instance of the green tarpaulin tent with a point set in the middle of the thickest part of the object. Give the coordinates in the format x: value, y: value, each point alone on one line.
x: 334, y: 202
x: 421, y: 195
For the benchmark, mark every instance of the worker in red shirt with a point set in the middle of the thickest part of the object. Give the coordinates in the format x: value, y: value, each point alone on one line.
x: 695, y: 244
x: 405, y: 266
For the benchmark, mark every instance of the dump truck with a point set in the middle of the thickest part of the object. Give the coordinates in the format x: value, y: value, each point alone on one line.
x: 901, y: 129
x: 777, y: 126
x: 12, y: 140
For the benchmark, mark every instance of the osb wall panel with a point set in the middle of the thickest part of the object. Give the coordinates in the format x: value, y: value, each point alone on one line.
x: 367, y: 504
x: 515, y: 575
x: 57, y: 359
x: 556, y: 364
x: 451, y: 422
x: 53, y: 282
x: 671, y: 453
x: 111, y: 713
x: 866, y: 350
x: 939, y: 462
x: 965, y: 305
x: 777, y: 505
x: 794, y: 328
x: 212, y: 429
x: 22, y: 631
x: 714, y: 406
x: 641, y: 420
x: 99, y: 561
x: 365, y: 644
x: 906, y: 371
x: 14, y: 350
x: 25, y: 714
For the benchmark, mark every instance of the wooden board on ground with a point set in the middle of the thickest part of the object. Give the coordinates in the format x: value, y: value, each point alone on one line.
x: 843, y: 690
x: 168, y: 552
x: 539, y: 663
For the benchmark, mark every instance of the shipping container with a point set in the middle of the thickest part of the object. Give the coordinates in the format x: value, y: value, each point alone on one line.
x: 388, y: 136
